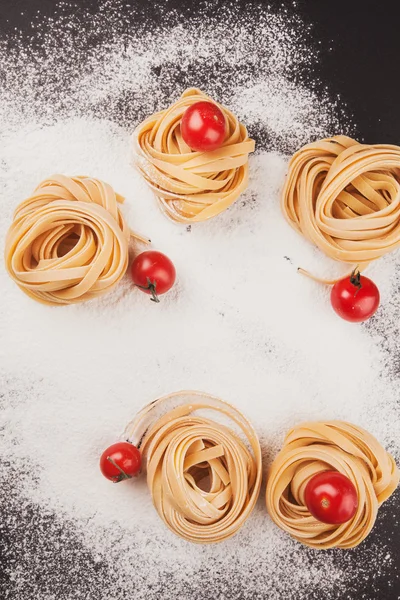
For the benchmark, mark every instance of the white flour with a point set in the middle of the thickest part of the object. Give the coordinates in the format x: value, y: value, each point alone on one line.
x: 241, y: 323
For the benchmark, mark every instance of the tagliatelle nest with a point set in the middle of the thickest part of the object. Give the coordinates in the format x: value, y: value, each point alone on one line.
x: 313, y: 447
x: 191, y: 186
x: 68, y: 242
x: 204, y: 478
x: 345, y: 197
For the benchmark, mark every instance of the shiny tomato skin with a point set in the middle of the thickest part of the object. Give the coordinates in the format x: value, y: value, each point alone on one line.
x: 120, y: 461
x: 203, y: 126
x: 331, y: 497
x: 352, y: 303
x: 153, y: 272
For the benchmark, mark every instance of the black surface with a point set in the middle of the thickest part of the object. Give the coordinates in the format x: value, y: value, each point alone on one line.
x: 359, y: 61
x: 360, y: 48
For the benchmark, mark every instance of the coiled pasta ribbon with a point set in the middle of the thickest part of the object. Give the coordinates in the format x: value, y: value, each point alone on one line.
x: 204, y: 479
x: 345, y: 198
x: 311, y: 448
x: 191, y: 186
x: 69, y: 241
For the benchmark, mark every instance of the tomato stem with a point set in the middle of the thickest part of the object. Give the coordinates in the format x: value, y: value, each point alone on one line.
x: 151, y: 286
x: 122, y: 475
x: 355, y: 279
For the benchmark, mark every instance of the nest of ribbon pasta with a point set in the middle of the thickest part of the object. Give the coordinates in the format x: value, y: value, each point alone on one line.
x: 204, y: 479
x: 311, y: 448
x: 345, y: 197
x: 69, y: 241
x: 191, y: 186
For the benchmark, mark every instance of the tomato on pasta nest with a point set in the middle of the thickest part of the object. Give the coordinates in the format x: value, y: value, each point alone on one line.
x: 203, y: 126
x: 331, y: 497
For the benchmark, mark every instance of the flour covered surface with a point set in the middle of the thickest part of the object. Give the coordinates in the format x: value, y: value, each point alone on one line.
x: 240, y: 322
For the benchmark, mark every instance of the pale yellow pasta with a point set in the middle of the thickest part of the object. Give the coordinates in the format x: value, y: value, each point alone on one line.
x: 345, y: 198
x: 204, y: 479
x: 68, y: 242
x: 191, y: 186
x: 313, y: 447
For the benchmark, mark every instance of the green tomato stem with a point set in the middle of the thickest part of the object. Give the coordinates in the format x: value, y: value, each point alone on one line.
x: 122, y: 475
x: 151, y: 286
x: 355, y: 279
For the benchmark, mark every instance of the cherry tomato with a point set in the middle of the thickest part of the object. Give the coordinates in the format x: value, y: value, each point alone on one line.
x: 203, y: 126
x: 154, y: 273
x: 120, y: 461
x: 331, y: 497
x: 355, y: 298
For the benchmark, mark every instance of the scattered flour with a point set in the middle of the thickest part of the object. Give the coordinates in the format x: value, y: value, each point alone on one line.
x: 241, y: 323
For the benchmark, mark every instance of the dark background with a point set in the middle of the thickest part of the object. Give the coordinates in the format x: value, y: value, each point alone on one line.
x: 360, y: 49
x: 358, y: 61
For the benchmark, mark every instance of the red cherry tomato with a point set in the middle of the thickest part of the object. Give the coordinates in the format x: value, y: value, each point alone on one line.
x: 154, y: 273
x: 331, y: 497
x: 203, y: 126
x: 120, y: 461
x: 355, y: 298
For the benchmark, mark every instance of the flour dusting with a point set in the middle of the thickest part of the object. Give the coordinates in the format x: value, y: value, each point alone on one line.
x: 241, y: 323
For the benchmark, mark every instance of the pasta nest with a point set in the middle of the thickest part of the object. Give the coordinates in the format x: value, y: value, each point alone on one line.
x: 345, y: 198
x: 204, y: 479
x: 311, y: 448
x: 191, y: 186
x: 68, y: 242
